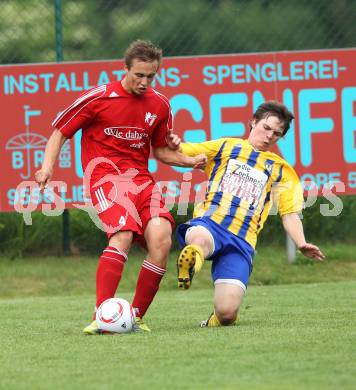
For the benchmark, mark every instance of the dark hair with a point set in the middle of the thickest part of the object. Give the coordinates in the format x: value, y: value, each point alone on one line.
x: 144, y: 51
x: 272, y: 107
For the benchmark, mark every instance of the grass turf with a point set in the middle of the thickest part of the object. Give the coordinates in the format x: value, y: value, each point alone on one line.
x: 288, y: 337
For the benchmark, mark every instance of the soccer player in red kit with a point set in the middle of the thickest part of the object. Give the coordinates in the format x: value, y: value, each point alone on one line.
x: 120, y: 122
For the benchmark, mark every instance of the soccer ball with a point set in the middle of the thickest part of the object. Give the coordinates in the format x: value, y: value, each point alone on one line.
x: 115, y: 315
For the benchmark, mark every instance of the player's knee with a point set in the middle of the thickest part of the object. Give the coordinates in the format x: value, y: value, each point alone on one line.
x: 203, y: 242
x: 166, y: 243
x: 162, y: 242
x: 121, y: 240
x: 226, y: 316
x: 226, y: 312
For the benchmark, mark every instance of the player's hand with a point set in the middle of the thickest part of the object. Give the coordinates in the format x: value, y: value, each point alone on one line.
x: 312, y: 251
x: 173, y: 140
x: 43, y: 178
x: 200, y: 161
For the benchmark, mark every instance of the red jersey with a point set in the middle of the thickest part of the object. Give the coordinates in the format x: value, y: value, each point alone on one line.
x: 117, y: 125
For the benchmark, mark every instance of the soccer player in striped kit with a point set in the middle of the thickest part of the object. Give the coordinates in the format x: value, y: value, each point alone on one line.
x: 120, y: 122
x: 244, y: 176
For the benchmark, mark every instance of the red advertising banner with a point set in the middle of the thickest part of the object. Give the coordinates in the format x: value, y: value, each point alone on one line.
x: 211, y: 97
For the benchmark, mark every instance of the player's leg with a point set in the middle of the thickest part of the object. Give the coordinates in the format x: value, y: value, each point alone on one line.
x: 118, y: 219
x: 157, y: 231
x: 111, y: 265
x: 199, y: 244
x: 119, y: 227
x: 109, y: 271
x: 230, y: 272
x: 227, y: 302
x: 158, y: 240
x: 228, y: 298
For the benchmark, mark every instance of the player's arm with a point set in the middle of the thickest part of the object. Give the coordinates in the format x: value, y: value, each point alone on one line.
x: 195, y: 155
x: 77, y: 116
x: 290, y: 203
x: 294, y: 227
x: 209, y: 148
x: 53, y: 147
x: 175, y: 157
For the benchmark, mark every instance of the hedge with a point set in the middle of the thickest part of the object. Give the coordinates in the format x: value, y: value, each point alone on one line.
x: 44, y: 236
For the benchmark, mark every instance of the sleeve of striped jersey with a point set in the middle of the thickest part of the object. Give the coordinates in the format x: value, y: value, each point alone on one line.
x: 209, y: 148
x: 290, y: 192
x: 79, y: 114
x: 160, y: 133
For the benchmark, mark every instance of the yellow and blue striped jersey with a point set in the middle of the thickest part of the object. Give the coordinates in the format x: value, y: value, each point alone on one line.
x: 243, y: 185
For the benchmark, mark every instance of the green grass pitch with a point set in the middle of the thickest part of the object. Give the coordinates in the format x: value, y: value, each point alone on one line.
x: 297, y: 328
x: 288, y: 337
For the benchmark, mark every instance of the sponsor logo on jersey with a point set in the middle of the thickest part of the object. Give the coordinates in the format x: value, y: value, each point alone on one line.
x: 127, y: 134
x: 139, y: 145
x: 150, y: 118
x: 244, y: 182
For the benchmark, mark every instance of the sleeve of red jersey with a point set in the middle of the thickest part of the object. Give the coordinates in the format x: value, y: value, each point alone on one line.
x: 79, y: 114
x: 164, y: 125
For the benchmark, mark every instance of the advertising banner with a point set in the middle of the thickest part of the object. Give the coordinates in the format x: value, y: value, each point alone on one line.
x: 211, y: 97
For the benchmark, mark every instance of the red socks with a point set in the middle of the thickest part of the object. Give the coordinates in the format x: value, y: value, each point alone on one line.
x: 147, y: 286
x: 108, y: 274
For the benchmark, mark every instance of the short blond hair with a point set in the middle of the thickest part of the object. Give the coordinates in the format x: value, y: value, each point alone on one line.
x: 144, y: 51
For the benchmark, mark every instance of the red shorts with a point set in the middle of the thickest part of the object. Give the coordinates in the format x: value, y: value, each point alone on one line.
x: 128, y: 205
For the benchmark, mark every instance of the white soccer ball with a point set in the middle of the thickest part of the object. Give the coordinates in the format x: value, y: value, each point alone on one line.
x: 115, y: 315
